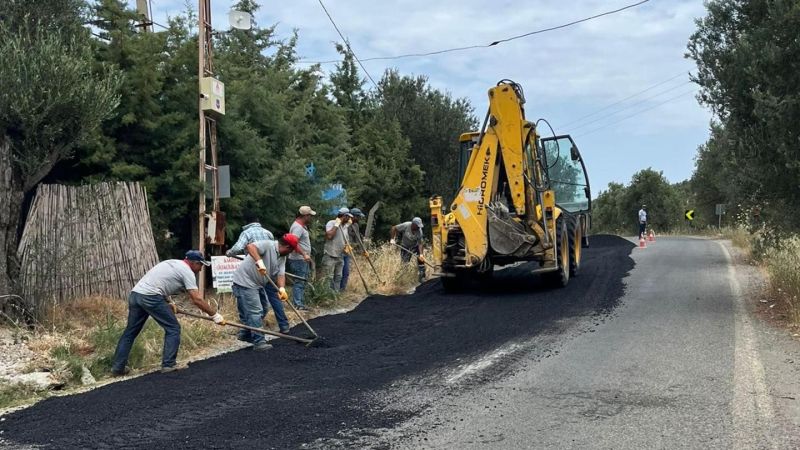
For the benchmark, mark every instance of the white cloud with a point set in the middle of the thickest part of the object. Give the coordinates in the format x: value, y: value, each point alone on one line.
x: 566, y: 73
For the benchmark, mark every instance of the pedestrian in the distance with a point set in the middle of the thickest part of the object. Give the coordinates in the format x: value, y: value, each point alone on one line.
x: 264, y: 259
x: 411, y: 239
x: 353, y: 240
x: 642, y: 221
x: 254, y: 232
x: 298, y: 262
x: 149, y: 299
x: 333, y: 259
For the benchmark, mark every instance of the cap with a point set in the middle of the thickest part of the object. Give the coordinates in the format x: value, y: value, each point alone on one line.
x: 196, y: 256
x: 357, y: 212
x: 345, y: 211
x: 417, y: 221
x: 306, y: 210
x: 291, y: 240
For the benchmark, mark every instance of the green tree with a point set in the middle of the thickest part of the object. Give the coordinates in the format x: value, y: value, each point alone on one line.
x: 432, y: 121
x: 53, y: 98
x: 748, y: 59
x: 616, y: 209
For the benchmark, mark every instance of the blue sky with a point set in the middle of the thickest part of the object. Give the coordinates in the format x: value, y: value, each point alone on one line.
x: 567, y: 74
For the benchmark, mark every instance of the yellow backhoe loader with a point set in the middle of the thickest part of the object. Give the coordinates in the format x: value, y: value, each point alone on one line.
x: 521, y: 198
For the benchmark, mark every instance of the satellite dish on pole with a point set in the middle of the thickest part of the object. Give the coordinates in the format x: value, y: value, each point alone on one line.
x: 240, y: 20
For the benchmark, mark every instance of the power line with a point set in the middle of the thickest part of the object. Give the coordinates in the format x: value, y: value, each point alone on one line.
x: 632, y: 105
x: 623, y: 100
x: 347, y: 44
x: 494, y: 43
x: 638, y: 113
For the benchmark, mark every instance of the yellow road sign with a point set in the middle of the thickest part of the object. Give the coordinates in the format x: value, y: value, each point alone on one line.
x: 689, y: 214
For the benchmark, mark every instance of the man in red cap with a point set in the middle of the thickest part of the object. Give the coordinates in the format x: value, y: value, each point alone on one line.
x: 252, y: 289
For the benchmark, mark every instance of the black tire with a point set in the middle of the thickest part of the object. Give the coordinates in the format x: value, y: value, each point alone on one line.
x: 575, y: 232
x: 560, y: 278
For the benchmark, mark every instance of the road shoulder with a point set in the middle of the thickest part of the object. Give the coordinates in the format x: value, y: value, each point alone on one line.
x: 769, y: 382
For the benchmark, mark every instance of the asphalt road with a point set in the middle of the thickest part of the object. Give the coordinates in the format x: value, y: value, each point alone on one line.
x: 682, y: 364
x: 646, y: 348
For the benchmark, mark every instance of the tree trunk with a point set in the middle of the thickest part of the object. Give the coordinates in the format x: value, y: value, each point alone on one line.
x: 11, y: 198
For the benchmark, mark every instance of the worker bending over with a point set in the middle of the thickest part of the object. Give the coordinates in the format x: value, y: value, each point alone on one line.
x: 254, y: 232
x: 149, y: 299
x: 411, y: 240
x: 265, y: 261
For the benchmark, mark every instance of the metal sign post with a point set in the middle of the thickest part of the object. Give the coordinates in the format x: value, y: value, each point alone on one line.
x: 720, y: 211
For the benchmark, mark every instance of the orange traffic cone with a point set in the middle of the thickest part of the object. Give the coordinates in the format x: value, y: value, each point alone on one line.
x: 651, y: 237
x: 642, y: 242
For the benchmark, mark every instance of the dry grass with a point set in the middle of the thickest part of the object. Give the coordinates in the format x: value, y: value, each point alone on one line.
x: 783, y: 266
x: 84, y: 333
x: 779, y: 254
x: 740, y: 237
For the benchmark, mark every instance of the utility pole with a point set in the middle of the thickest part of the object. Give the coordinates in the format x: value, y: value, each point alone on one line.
x: 144, y: 10
x: 211, y: 105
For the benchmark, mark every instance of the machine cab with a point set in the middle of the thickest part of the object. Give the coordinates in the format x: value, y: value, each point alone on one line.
x: 567, y: 175
x: 467, y: 142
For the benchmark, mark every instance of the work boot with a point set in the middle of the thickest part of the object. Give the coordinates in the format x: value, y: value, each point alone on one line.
x: 174, y: 368
x: 262, y: 346
x: 122, y: 373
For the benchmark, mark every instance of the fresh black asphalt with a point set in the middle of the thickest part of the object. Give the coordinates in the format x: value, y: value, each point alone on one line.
x: 292, y: 395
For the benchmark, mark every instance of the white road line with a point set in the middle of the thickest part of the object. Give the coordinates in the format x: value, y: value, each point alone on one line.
x: 483, y: 363
x: 751, y: 406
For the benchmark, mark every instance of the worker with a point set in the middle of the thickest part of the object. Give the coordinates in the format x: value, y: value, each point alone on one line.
x: 332, y: 259
x: 411, y: 241
x: 353, y: 240
x: 264, y: 259
x: 642, y: 221
x: 149, y: 299
x: 299, y: 261
x: 254, y: 232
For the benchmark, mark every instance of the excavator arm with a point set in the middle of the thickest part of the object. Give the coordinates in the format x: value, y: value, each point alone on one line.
x: 504, y: 210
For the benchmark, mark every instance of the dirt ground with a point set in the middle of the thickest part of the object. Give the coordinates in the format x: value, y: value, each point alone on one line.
x: 292, y: 396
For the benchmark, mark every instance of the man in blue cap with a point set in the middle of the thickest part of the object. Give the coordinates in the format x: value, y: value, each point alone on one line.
x: 149, y: 299
x: 411, y: 240
x: 333, y: 258
x: 353, y: 239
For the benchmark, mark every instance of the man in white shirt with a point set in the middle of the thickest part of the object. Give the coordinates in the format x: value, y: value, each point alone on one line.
x: 642, y: 221
x: 149, y: 299
x: 333, y: 259
x: 298, y: 262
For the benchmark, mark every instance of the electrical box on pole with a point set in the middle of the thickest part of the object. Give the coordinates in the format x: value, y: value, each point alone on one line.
x: 212, y: 95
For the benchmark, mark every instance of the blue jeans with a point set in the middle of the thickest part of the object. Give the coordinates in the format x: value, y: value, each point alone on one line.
x: 251, y: 303
x: 277, y: 306
x: 300, y: 268
x: 140, y: 307
x: 345, y: 272
x: 406, y: 257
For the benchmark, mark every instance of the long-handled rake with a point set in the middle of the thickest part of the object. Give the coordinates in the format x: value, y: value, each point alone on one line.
x: 308, y: 342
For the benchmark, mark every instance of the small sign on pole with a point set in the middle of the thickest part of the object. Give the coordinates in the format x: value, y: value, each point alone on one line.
x: 222, y: 269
